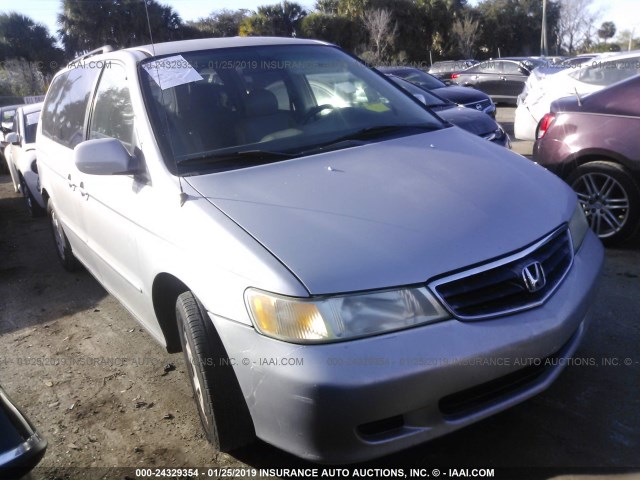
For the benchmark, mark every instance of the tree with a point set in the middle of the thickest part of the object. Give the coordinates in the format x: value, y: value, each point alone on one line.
x: 573, y: 22
x: 280, y: 20
x: 86, y: 25
x: 343, y: 31
x: 22, y: 38
x: 381, y: 32
x: 514, y: 26
x: 465, y: 30
x: 19, y: 77
x: 607, y: 30
x: 627, y: 41
x: 352, y: 8
x: 222, y: 23
x: 328, y: 7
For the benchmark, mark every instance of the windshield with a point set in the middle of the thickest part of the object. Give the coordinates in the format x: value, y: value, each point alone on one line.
x: 278, y: 101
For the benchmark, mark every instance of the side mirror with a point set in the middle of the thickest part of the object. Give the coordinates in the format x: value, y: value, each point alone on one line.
x: 104, y: 156
x: 12, y: 138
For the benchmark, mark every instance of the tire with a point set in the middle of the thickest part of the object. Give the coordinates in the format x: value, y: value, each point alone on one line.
x: 222, y: 409
x: 610, y: 198
x: 61, y: 242
x: 34, y: 209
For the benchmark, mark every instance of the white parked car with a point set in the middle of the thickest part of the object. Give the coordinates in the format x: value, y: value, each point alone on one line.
x: 582, y: 79
x: 345, y: 279
x: 20, y: 155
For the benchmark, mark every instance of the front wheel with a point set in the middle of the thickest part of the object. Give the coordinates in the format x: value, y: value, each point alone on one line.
x: 222, y: 409
x: 610, y: 199
x: 63, y: 247
x: 34, y: 209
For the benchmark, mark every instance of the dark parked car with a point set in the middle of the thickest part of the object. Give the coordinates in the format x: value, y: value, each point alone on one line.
x: 468, y: 119
x: 593, y: 144
x: 21, y: 446
x: 443, y: 70
x: 502, y: 79
x: 462, y: 96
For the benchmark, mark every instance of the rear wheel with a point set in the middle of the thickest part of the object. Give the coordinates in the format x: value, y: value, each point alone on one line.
x: 222, y: 409
x: 63, y: 247
x: 610, y: 199
x: 34, y: 209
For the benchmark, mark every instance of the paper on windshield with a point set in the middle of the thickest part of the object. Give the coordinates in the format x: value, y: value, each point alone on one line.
x: 172, y: 71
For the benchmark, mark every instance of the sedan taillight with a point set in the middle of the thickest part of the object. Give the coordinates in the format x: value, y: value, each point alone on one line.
x: 544, y: 124
x: 454, y: 76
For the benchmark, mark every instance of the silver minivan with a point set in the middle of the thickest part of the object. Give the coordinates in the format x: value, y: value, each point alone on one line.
x: 346, y: 274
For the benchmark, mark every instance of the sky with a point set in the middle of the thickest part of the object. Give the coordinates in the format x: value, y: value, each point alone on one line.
x: 624, y: 13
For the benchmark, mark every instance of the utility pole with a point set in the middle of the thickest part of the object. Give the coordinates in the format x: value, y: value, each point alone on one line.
x: 543, y: 35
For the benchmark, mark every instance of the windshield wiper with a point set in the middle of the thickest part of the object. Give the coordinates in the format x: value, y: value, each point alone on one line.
x: 260, y: 156
x: 368, y: 133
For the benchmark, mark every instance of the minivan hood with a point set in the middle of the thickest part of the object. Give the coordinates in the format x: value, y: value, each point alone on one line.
x: 392, y: 213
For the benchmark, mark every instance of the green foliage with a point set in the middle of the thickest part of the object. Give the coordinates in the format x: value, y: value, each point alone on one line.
x: 85, y: 26
x: 21, y: 37
x: 223, y: 23
x: 607, y: 30
x: 278, y: 20
x: 345, y: 32
x: 514, y: 26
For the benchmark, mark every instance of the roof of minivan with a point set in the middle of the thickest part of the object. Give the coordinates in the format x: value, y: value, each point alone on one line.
x: 168, y: 48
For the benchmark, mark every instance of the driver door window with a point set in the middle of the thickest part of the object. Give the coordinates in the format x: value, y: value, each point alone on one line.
x: 112, y: 111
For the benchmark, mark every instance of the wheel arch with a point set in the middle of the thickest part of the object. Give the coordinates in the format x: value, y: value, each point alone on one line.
x: 164, y: 293
x: 602, y: 155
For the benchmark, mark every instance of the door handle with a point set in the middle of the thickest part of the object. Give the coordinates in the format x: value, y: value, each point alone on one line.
x: 70, y: 183
x: 82, y: 192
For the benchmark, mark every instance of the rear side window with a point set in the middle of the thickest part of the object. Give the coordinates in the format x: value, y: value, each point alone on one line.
x: 66, y: 106
x: 510, y: 68
x: 607, y: 73
x: 112, y: 111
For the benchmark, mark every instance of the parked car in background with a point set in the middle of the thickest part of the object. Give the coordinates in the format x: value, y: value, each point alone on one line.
x: 21, y: 446
x: 442, y: 70
x: 593, y: 75
x: 594, y: 144
x: 20, y: 155
x: 502, y: 78
x: 462, y: 96
x: 541, y: 72
x: 204, y: 184
x: 6, y: 124
x: 466, y: 118
x: 6, y: 119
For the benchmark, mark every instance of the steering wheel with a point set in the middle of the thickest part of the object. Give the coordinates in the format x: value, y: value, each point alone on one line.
x: 313, y: 111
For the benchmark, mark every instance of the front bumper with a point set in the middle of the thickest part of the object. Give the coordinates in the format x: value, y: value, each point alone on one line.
x: 356, y: 400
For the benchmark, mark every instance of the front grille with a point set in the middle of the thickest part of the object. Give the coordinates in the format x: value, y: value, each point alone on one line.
x: 500, y: 287
x: 482, y: 104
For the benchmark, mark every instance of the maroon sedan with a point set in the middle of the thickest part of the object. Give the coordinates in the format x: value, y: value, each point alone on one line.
x: 593, y: 143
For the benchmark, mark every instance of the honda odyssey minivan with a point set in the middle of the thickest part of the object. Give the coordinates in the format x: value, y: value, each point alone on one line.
x: 347, y: 276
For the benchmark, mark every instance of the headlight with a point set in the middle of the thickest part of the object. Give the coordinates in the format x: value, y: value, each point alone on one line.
x: 578, y: 227
x: 331, y: 319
